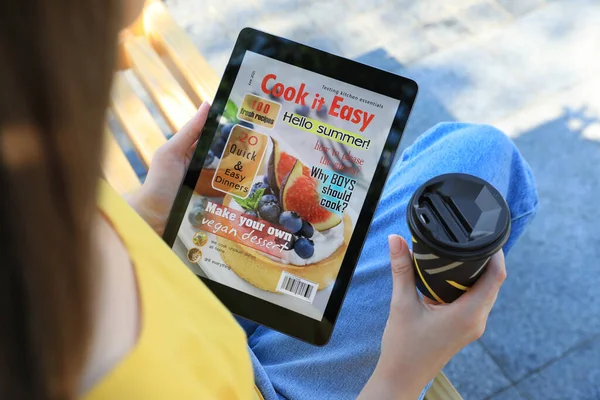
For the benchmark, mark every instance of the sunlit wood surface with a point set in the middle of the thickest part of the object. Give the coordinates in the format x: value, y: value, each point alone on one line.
x: 442, y: 389
x: 116, y: 168
x: 173, y: 43
x: 136, y: 120
x: 175, y: 80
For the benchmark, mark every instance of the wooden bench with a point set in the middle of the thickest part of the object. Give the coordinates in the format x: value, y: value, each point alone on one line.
x: 156, y: 53
x: 160, y: 56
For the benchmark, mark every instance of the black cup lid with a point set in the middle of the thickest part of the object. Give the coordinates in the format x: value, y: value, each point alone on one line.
x: 459, y: 216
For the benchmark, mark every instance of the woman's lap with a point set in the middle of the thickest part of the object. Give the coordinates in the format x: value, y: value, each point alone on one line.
x: 287, y: 368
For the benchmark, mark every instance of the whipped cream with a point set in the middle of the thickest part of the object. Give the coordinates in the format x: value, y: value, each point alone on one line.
x: 325, y: 242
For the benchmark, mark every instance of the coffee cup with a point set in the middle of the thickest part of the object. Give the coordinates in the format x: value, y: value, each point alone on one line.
x: 457, y: 221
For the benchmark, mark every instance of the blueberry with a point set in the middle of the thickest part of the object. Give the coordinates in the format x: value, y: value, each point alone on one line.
x: 196, y: 213
x: 266, y: 179
x: 218, y: 146
x: 202, y: 202
x: 226, y: 130
x: 260, y: 185
x: 246, y: 124
x: 304, y: 247
x: 287, y: 245
x: 303, y: 110
x: 209, y: 158
x: 266, y: 199
x: 307, y: 229
x: 269, y: 212
x: 290, y: 221
x: 322, y: 112
x: 251, y: 213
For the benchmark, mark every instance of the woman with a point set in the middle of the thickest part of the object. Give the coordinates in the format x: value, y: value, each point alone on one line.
x: 94, y: 305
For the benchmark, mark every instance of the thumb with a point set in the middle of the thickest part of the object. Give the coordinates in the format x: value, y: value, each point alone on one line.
x: 403, y: 277
x: 189, y: 133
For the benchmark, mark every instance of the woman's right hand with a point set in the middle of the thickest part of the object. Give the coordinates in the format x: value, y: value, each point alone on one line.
x: 421, y: 337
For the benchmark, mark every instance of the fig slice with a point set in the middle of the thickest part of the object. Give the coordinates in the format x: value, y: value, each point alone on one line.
x: 280, y: 165
x: 300, y: 193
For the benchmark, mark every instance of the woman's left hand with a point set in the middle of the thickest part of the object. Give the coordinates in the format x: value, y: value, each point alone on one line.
x: 153, y: 201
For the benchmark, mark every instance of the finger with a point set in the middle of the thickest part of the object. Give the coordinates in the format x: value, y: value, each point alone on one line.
x: 185, y: 138
x: 482, y: 295
x: 403, y: 277
x: 190, y: 152
x: 429, y: 302
x: 426, y: 300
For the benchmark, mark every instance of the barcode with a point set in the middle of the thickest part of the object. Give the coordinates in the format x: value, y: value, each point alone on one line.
x: 297, y: 287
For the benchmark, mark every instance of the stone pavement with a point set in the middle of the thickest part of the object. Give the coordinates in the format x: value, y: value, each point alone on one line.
x: 528, y: 67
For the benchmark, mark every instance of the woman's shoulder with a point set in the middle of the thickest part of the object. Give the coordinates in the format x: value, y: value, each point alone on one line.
x: 189, y: 344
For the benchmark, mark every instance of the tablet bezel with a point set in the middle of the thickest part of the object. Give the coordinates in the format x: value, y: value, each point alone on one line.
x: 253, y: 308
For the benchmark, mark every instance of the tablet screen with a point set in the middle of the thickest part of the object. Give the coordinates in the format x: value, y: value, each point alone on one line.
x: 284, y: 182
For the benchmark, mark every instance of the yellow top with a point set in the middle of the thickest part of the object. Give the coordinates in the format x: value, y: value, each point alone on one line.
x: 189, y: 346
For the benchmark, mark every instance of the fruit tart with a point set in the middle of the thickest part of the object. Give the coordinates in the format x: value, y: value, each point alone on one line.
x: 290, y: 199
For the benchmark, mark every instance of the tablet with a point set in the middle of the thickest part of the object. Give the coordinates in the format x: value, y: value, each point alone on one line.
x: 275, y: 207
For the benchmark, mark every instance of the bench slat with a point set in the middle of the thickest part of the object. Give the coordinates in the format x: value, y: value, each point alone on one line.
x: 442, y: 389
x: 164, y: 89
x: 116, y: 168
x: 172, y: 41
x: 136, y: 120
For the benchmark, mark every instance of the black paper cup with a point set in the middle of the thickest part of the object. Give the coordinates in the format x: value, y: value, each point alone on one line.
x: 458, y: 222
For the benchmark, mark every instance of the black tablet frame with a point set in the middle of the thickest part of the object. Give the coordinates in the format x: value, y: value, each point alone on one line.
x: 379, y: 81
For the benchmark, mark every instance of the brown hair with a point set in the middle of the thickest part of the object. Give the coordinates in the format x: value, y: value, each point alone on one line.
x: 55, y: 71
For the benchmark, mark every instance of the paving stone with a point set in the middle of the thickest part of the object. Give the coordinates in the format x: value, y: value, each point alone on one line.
x: 446, y: 31
x: 457, y: 5
x: 241, y: 14
x: 410, y: 45
x: 550, y: 301
x: 216, y: 52
x: 470, y: 82
x: 380, y: 58
x: 402, y: 35
x: 484, y: 16
x: 552, y: 48
x: 509, y: 394
x: 356, y: 34
x: 357, y: 7
x: 427, y: 112
x: 278, y: 6
x: 496, y: 75
x: 429, y: 11
x: 474, y: 373
x: 188, y: 12
x: 520, y: 7
x: 359, y: 33
x: 207, y: 27
x: 299, y: 30
x: 574, y: 377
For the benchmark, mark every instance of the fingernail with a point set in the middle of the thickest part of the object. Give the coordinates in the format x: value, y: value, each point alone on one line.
x: 395, y: 244
x: 203, y: 104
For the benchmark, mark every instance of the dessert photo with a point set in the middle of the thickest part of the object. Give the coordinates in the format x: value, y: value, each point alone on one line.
x: 284, y: 195
x: 289, y: 197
